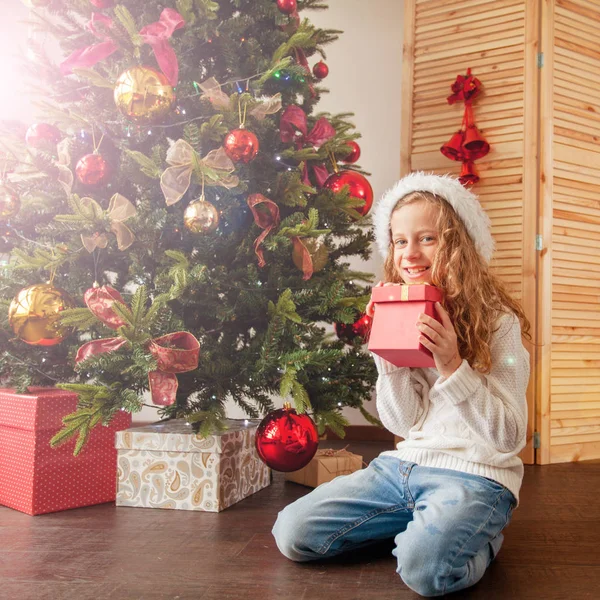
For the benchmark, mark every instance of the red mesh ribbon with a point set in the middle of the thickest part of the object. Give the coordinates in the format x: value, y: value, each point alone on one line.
x: 175, y: 352
x: 266, y: 218
x: 294, y: 120
x: 156, y: 35
x: 90, y: 55
x: 301, y: 60
x: 307, y: 263
x: 464, y: 88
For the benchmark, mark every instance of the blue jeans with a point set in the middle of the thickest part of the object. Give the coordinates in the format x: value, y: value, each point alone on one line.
x: 446, y: 524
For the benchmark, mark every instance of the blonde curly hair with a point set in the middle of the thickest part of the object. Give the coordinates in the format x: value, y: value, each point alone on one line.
x: 473, y: 296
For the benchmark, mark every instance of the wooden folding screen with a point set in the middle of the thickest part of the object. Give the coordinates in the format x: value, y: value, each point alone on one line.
x: 569, y: 299
x: 540, y: 184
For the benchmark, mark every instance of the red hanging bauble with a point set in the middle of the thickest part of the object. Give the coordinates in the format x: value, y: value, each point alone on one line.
x: 285, y: 440
x: 241, y: 145
x: 103, y: 3
x: 354, y: 154
x: 474, y: 144
x: 347, y: 332
x: 453, y: 148
x: 92, y: 169
x: 359, y: 188
x: 287, y: 7
x: 320, y: 70
x: 468, y: 175
x: 43, y: 136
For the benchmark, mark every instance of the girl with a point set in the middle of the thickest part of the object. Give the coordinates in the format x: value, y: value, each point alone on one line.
x: 448, y: 490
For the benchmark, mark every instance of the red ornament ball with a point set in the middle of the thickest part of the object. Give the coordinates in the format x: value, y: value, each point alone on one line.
x: 354, y: 154
x: 359, y: 188
x: 286, y: 441
x: 43, y: 136
x: 287, y: 7
x: 241, y: 145
x: 347, y: 332
x: 320, y: 70
x: 92, y: 169
x: 102, y: 3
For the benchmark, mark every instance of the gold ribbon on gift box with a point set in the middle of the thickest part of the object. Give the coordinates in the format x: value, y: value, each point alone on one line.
x: 404, y: 290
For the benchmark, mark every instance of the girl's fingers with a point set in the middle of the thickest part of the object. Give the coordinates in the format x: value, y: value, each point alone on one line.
x: 446, y: 322
x: 433, y: 323
x: 429, y: 332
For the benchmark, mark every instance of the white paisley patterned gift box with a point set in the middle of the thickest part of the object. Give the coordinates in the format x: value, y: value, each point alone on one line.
x: 167, y: 465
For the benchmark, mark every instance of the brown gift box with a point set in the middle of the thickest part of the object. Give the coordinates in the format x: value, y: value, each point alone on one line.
x: 326, y: 465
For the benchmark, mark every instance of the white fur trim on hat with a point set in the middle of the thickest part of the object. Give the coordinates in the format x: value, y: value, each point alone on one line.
x: 463, y: 201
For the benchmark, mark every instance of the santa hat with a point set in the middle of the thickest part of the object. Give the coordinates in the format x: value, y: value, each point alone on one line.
x: 463, y: 201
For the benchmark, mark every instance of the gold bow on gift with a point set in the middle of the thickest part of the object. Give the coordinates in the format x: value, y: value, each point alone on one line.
x: 216, y: 167
x: 119, y: 210
x: 219, y: 99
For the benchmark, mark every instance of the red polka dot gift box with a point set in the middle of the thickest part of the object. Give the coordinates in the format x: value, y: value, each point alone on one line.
x: 37, y: 479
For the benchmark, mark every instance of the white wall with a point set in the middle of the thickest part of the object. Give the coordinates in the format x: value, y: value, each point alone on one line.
x: 364, y: 78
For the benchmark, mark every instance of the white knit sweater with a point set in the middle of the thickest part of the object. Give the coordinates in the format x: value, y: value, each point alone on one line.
x: 468, y: 422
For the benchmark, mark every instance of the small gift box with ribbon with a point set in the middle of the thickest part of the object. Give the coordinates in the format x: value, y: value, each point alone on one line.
x: 36, y: 478
x: 394, y: 333
x: 326, y: 465
x: 168, y: 465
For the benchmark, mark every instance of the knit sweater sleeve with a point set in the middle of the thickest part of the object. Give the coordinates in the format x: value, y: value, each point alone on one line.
x: 494, y: 406
x: 400, y: 396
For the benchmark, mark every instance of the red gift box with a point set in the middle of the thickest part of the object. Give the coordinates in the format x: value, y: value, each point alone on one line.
x: 37, y: 479
x: 394, y: 333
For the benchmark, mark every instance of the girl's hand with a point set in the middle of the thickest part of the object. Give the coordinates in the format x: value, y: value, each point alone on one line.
x: 370, y: 310
x: 441, y: 340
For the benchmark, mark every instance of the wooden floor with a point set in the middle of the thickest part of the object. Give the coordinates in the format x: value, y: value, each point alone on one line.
x: 551, y: 550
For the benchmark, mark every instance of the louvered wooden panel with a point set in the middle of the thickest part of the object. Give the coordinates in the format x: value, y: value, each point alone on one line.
x: 498, y: 40
x: 570, y: 310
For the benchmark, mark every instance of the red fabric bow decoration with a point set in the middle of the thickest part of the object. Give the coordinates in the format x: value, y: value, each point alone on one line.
x: 175, y: 352
x: 265, y: 219
x: 156, y: 35
x: 464, y: 88
x: 301, y: 60
x: 90, y: 55
x: 293, y: 120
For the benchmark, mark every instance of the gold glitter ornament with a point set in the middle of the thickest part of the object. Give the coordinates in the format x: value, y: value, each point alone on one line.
x: 201, y: 217
x: 318, y: 251
x: 34, y: 312
x: 144, y: 95
x: 10, y: 203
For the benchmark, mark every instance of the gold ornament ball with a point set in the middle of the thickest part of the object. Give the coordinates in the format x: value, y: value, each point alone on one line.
x: 317, y: 248
x: 34, y: 312
x: 144, y: 95
x: 201, y: 216
x: 10, y: 203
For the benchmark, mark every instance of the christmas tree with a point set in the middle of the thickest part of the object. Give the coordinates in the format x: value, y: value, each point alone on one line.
x: 177, y: 225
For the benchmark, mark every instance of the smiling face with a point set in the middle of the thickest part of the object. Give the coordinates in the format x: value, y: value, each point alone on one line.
x: 415, y: 240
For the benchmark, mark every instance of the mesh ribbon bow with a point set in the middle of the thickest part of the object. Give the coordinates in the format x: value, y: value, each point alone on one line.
x: 175, y: 352
x: 119, y: 209
x: 183, y: 159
